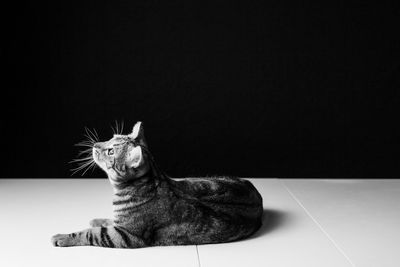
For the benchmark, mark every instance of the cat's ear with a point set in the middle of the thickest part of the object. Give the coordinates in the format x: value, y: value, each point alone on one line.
x: 135, y: 157
x: 137, y: 130
x: 138, y: 133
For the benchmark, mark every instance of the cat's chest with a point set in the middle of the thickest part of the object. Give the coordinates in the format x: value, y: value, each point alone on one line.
x: 144, y: 209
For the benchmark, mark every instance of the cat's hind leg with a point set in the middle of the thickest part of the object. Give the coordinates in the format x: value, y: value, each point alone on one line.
x: 111, y: 236
x: 100, y: 222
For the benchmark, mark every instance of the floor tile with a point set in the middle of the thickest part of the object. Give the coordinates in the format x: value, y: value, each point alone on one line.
x: 361, y: 216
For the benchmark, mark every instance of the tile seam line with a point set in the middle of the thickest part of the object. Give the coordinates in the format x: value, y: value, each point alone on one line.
x: 336, y: 245
x: 198, y: 255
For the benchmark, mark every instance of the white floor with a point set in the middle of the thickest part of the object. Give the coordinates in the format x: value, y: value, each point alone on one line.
x: 307, y: 223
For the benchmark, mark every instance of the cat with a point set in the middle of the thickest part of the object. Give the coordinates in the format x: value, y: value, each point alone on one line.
x: 152, y: 209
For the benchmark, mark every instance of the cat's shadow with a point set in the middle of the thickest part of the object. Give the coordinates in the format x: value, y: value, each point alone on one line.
x: 272, y: 219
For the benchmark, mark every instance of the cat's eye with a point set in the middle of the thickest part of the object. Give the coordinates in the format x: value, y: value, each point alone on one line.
x: 110, y: 151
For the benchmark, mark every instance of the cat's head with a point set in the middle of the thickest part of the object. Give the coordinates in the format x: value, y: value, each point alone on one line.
x: 123, y: 157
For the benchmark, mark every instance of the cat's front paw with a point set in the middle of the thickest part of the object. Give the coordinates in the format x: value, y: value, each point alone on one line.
x: 61, y: 240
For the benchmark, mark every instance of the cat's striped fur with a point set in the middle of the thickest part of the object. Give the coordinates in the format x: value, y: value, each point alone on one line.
x: 152, y: 209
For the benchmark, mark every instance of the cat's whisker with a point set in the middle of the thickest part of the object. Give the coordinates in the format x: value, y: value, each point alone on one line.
x: 116, y: 127
x: 82, y: 163
x: 89, y: 135
x: 81, y: 167
x: 84, y: 145
x: 94, y: 137
x: 80, y: 160
x: 85, y: 153
x: 75, y: 171
x: 89, y: 166
x: 97, y: 136
x: 90, y: 139
x: 84, y: 158
x: 93, y: 167
x: 122, y: 127
x: 87, y: 162
x: 112, y: 128
x: 89, y: 143
x: 87, y: 150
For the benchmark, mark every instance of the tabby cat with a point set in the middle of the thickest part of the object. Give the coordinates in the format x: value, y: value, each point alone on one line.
x: 152, y: 209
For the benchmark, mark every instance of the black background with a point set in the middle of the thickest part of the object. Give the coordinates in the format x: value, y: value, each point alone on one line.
x: 260, y: 89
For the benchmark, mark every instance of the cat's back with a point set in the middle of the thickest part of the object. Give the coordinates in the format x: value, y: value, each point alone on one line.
x: 220, y: 189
